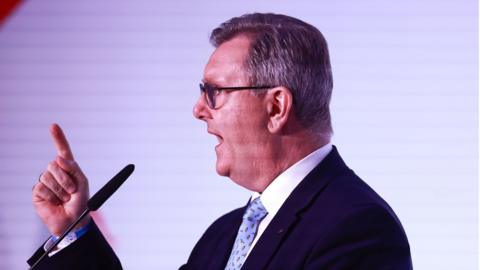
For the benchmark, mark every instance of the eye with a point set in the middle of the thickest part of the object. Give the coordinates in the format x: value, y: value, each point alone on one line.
x: 216, y: 92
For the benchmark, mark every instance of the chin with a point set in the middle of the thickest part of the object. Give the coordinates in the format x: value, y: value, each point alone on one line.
x: 222, y: 169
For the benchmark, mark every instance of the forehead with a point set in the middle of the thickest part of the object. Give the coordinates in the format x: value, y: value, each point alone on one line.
x: 225, y: 66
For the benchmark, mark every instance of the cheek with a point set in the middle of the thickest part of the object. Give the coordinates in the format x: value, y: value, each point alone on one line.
x: 245, y: 139
x: 243, y: 130
x: 243, y: 125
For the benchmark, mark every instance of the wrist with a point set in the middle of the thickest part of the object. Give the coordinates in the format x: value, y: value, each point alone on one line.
x: 84, y: 222
x: 69, y: 238
x: 79, y: 230
x: 59, y: 228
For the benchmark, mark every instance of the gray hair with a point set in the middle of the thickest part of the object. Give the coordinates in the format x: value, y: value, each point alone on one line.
x: 286, y: 51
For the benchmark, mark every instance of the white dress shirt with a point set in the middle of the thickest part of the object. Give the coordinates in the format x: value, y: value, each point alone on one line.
x: 278, y: 191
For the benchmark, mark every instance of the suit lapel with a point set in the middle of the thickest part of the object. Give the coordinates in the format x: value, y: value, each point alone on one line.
x: 224, y: 248
x: 287, y: 216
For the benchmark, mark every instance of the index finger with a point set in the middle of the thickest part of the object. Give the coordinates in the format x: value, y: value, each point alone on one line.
x: 61, y: 143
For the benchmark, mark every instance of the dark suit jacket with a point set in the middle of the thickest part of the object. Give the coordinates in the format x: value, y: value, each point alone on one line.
x: 332, y: 220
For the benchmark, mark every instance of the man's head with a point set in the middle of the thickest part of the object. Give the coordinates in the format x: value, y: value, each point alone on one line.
x: 288, y: 61
x: 285, y: 51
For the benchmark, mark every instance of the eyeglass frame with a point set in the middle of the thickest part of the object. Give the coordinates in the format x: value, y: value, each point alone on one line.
x: 210, y: 97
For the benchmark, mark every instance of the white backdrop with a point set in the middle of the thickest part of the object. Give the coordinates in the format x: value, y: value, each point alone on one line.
x: 121, y: 78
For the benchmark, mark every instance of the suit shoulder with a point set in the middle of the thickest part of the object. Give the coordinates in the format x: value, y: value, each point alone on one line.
x: 348, y: 200
x: 347, y: 197
x: 349, y: 191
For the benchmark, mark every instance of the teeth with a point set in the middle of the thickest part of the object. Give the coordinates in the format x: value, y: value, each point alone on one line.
x: 218, y: 138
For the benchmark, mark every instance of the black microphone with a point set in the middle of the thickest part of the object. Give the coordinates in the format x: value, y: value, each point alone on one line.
x: 93, y: 204
x: 106, y: 191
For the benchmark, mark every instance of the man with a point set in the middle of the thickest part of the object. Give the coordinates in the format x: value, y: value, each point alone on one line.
x: 265, y: 96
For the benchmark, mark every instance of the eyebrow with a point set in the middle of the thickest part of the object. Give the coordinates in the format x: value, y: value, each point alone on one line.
x: 211, y: 82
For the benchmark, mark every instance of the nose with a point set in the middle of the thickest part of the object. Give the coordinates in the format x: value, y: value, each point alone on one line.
x: 201, y: 110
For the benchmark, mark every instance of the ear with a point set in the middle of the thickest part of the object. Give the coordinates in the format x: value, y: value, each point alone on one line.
x: 279, y: 107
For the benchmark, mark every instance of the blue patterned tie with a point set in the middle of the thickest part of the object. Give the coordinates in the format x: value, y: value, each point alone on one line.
x: 253, y: 215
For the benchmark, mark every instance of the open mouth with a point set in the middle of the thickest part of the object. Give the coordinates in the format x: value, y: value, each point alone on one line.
x: 219, y: 138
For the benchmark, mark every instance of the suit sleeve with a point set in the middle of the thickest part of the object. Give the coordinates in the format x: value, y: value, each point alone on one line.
x: 91, y: 251
x: 369, y: 239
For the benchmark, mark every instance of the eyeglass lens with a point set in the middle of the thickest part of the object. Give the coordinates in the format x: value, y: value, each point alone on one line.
x: 209, y: 94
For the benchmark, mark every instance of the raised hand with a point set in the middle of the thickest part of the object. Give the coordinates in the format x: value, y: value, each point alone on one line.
x: 61, y: 194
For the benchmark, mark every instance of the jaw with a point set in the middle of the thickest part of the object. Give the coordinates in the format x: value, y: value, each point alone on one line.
x: 253, y: 168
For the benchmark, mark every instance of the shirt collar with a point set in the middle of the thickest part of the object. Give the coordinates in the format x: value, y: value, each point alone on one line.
x: 278, y: 191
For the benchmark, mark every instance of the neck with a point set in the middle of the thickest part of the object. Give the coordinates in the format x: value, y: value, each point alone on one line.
x: 282, y: 153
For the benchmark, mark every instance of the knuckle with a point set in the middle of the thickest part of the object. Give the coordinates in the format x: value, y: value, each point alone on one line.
x: 45, y: 178
x: 52, y: 166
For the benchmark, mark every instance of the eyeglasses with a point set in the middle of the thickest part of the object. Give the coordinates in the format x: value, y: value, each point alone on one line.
x: 211, y: 92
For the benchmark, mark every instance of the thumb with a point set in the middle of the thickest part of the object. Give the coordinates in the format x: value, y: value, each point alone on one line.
x: 72, y: 168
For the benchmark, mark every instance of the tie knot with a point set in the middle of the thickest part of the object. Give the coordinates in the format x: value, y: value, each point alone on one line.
x: 255, y: 211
